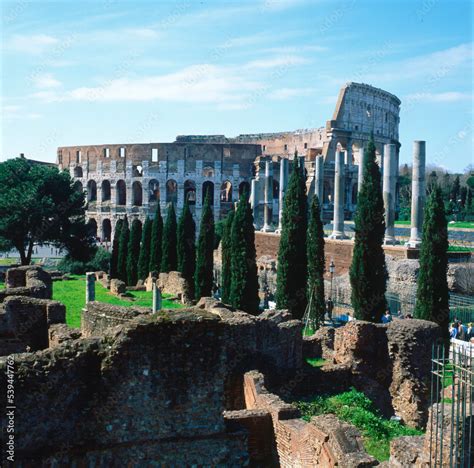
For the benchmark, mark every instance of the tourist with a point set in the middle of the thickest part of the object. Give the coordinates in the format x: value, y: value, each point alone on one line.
x: 387, y: 317
x: 470, y: 332
x: 453, y: 330
x: 462, y: 335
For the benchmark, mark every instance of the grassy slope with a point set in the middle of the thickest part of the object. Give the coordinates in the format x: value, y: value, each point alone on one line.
x: 72, y: 294
x: 456, y: 224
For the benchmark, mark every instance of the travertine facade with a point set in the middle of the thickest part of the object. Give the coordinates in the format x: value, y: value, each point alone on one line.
x: 131, y: 178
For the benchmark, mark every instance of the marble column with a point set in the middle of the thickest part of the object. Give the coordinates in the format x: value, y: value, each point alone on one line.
x: 319, y: 178
x: 283, y: 184
x: 389, y: 187
x: 360, y: 177
x: 156, y: 303
x: 268, y: 197
x: 90, y: 287
x: 338, y: 221
x: 418, y: 191
x: 253, y: 201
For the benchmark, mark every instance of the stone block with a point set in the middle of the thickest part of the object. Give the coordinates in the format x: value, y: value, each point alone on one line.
x: 117, y: 287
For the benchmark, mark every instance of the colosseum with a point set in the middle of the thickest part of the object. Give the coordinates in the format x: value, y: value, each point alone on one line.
x: 130, y: 179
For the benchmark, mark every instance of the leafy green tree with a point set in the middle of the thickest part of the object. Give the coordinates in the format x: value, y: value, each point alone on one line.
x: 115, y: 249
x: 144, y: 258
x: 187, y: 246
x: 432, y: 298
x: 368, y: 272
x: 133, y: 252
x: 38, y: 205
x: 315, y: 252
x: 169, y: 257
x: 244, y: 280
x: 156, y: 241
x: 226, y: 243
x: 292, y: 259
x: 122, y: 251
x: 205, y: 251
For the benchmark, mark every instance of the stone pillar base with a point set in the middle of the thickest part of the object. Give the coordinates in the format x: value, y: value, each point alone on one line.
x: 390, y: 241
x: 338, y: 236
x: 413, y: 244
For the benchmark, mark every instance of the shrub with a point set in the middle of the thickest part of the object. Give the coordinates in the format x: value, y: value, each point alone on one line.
x: 99, y: 262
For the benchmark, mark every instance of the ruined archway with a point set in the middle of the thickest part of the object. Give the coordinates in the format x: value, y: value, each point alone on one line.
x: 171, y: 191
x: 137, y: 194
x: 153, y: 191
x: 91, y: 191
x: 78, y: 172
x: 190, y: 191
x: 208, y: 188
x: 244, y: 187
x: 121, y: 190
x: 105, y: 190
x: 226, y: 192
x: 92, y: 228
x: 106, y: 230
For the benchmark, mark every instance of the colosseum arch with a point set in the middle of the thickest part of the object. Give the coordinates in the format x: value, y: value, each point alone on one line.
x: 106, y: 190
x: 121, y: 190
x: 106, y: 230
x: 153, y: 191
x: 244, y: 187
x: 226, y: 192
x: 208, y: 187
x: 78, y: 172
x: 91, y: 191
x: 190, y: 191
x: 137, y: 194
x: 92, y: 228
x: 171, y: 191
x: 78, y: 186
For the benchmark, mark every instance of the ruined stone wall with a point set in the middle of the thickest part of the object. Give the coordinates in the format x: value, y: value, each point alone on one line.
x: 31, y: 281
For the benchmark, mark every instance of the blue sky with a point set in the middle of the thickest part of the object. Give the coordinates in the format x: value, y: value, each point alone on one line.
x: 121, y: 72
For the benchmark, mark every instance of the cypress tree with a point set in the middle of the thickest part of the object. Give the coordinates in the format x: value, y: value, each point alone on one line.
x: 292, y: 259
x: 315, y: 250
x: 169, y: 256
x: 133, y: 252
x: 226, y: 257
x: 122, y: 251
x: 144, y: 258
x: 156, y: 241
x: 115, y: 249
x: 205, y: 250
x: 368, y: 273
x: 432, y: 298
x: 187, y: 246
x: 244, y: 281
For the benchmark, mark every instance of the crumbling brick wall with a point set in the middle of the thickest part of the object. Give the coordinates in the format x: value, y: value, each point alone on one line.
x: 31, y: 281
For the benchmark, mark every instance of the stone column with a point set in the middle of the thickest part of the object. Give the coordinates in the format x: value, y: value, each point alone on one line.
x: 253, y: 201
x: 338, y: 221
x: 319, y: 179
x: 360, y: 177
x: 268, y: 197
x: 389, y: 184
x: 417, y: 193
x: 283, y: 184
x: 156, y: 297
x: 90, y: 287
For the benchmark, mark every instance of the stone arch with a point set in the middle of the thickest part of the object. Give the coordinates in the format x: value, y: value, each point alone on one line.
x: 106, y: 192
x: 137, y: 194
x: 78, y: 172
x: 244, y: 187
x: 106, y: 230
x: 153, y: 191
x: 226, y: 192
x: 121, y: 189
x: 78, y: 186
x: 92, y: 228
x: 171, y: 191
x: 208, y: 186
x: 91, y: 191
x: 190, y: 192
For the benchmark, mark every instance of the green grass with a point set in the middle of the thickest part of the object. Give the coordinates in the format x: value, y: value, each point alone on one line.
x: 354, y: 407
x: 456, y: 224
x: 402, y: 223
x: 72, y: 294
x: 459, y: 248
x: 16, y: 260
x: 316, y: 362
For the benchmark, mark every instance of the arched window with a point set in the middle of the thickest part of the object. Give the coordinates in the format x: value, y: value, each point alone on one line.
x: 92, y: 228
x: 91, y: 191
x: 244, y: 187
x: 78, y: 171
x: 208, y: 188
x: 190, y: 192
x: 137, y: 194
x: 226, y: 192
x: 78, y: 186
x: 121, y: 189
x: 171, y: 191
x: 208, y: 171
x: 153, y: 191
x: 106, y: 230
x: 105, y: 190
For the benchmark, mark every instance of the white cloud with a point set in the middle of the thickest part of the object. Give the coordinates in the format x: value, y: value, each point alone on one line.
x: 283, y: 61
x: 30, y: 44
x: 46, y: 80
x: 14, y: 112
x: 449, y: 96
x: 287, y: 93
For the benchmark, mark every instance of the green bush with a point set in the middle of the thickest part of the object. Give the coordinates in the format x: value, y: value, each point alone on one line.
x: 99, y: 262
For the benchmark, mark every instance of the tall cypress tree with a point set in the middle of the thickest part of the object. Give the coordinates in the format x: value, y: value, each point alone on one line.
x: 115, y: 249
x: 156, y: 241
x: 244, y: 281
x: 144, y: 258
x: 169, y: 256
x: 187, y: 246
x: 133, y: 252
x: 122, y: 251
x: 292, y: 259
x: 432, y: 298
x: 368, y: 272
x: 315, y: 250
x: 205, y: 250
x: 226, y: 250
